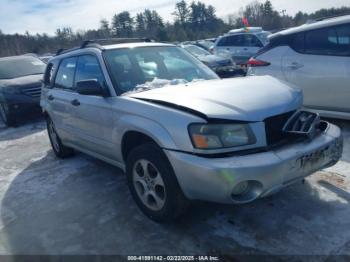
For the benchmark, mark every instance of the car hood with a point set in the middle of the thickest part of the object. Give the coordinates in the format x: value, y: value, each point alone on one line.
x: 243, y: 99
x: 24, y: 81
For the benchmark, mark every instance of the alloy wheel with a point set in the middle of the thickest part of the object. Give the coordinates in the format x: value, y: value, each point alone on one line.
x: 149, y: 185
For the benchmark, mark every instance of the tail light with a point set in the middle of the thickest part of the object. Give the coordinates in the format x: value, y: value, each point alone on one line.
x: 253, y: 62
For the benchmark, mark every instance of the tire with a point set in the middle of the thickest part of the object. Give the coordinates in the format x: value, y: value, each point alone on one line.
x: 60, y: 150
x: 153, y: 184
x: 6, y: 115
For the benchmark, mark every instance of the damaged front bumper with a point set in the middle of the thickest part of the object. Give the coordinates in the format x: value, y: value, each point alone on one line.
x: 260, y: 174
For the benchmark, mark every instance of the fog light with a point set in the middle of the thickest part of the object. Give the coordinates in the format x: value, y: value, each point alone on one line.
x: 240, y: 188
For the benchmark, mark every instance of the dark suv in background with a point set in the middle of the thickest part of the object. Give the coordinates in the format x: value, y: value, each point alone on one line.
x: 20, y: 86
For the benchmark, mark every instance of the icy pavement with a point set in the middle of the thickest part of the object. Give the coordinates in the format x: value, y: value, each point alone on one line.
x: 82, y: 206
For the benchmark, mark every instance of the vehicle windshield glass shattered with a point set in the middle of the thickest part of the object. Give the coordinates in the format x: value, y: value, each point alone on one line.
x: 144, y: 68
x: 14, y: 67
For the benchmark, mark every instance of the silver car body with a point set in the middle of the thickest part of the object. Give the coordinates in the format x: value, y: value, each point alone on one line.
x: 100, y: 124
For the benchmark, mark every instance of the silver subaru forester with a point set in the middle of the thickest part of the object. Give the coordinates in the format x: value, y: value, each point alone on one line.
x: 178, y: 131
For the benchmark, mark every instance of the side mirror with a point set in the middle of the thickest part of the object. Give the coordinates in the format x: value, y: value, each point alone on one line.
x: 90, y: 87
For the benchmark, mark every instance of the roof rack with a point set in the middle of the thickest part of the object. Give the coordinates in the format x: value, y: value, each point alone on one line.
x: 98, y: 43
x: 65, y: 50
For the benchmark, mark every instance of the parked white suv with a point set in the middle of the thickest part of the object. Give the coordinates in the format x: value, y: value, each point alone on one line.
x: 241, y: 43
x: 314, y: 57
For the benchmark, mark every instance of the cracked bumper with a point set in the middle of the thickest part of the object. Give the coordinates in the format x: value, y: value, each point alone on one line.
x: 213, y: 179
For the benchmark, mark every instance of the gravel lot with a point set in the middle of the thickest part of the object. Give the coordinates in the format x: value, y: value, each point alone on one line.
x: 82, y: 206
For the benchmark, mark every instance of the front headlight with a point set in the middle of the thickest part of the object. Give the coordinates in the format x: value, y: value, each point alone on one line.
x: 216, y: 136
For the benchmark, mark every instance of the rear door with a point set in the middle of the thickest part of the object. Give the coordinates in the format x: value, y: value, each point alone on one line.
x: 319, y: 63
x: 93, y: 118
x: 59, y: 99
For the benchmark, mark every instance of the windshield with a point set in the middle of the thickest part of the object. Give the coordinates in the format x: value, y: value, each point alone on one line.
x: 196, y: 51
x: 132, y: 68
x: 13, y: 67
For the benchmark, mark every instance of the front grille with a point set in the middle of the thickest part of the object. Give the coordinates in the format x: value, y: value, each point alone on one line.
x: 303, y: 123
x: 34, y: 91
x: 274, y: 126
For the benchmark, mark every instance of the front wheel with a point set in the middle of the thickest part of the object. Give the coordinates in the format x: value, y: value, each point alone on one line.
x: 59, y: 149
x: 153, y: 184
x: 6, y: 115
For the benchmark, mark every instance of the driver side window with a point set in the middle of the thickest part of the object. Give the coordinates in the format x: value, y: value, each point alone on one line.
x: 88, y: 68
x: 65, y: 74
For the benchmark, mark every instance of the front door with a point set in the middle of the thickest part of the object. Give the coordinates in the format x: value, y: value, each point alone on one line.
x: 93, y: 119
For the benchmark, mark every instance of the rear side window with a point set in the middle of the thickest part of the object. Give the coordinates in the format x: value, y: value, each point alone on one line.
x: 222, y: 41
x: 297, y: 42
x: 50, y: 73
x: 248, y: 40
x: 234, y: 40
x: 328, y: 41
x: 65, y: 73
x: 343, y: 35
x: 88, y: 68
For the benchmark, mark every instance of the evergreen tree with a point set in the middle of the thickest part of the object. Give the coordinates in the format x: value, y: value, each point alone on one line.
x: 122, y: 25
x: 104, y: 28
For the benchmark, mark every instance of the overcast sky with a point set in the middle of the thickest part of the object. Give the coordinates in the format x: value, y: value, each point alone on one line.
x: 39, y: 16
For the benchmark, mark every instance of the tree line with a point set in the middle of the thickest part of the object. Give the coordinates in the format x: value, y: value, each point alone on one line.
x: 192, y: 21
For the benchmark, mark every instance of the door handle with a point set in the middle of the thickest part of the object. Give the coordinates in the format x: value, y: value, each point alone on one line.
x: 245, y: 49
x: 75, y: 102
x: 295, y: 65
x: 50, y: 97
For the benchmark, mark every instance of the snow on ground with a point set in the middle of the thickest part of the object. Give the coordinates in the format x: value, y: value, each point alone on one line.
x: 82, y: 206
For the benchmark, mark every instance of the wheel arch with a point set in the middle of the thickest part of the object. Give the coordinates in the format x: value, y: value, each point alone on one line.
x: 132, y: 139
x: 135, y: 130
